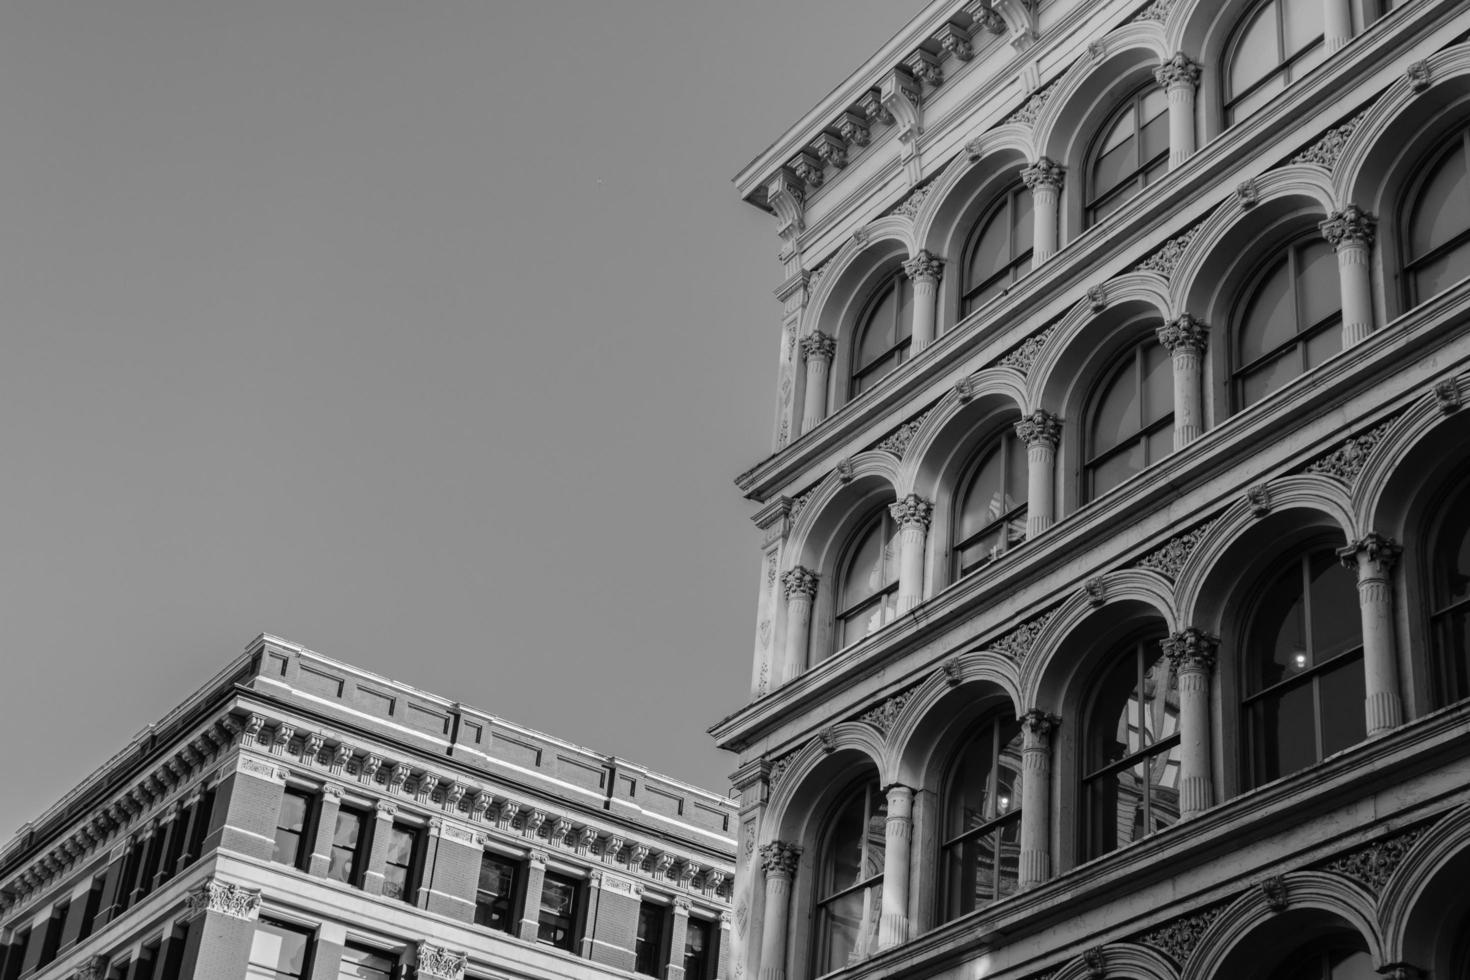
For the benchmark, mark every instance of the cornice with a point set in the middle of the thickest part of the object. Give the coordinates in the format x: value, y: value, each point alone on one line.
x: 1290, y: 123
x: 1157, y: 499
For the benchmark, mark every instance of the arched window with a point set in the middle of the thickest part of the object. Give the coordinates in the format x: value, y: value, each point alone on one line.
x: 1302, y: 667
x: 869, y: 580
x: 1130, y: 784
x: 982, y: 823
x: 991, y: 507
x: 883, y: 333
x: 850, y: 886
x: 1449, y: 548
x: 1275, y: 44
x: 1341, y: 956
x: 1131, y: 424
x: 1131, y: 152
x: 1291, y: 322
x: 999, y: 250
x: 1437, y: 238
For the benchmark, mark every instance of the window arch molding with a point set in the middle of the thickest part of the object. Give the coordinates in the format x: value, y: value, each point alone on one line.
x: 1425, y: 907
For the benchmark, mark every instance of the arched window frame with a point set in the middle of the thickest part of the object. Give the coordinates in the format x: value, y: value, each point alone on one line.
x: 1009, y: 522
x: 1145, y: 172
x: 865, y: 376
x: 1445, y: 536
x: 1315, y: 960
x: 1001, y: 821
x: 1410, y: 263
x: 1290, y: 65
x: 1136, y: 355
x: 1018, y: 263
x: 870, y: 888
x: 885, y: 599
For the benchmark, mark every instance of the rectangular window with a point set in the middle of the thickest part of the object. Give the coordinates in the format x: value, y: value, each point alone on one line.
x: 278, y: 952
x: 129, y: 881
x: 648, y: 952
x: 201, y: 827
x: 53, y: 932
x: 291, y: 843
x: 16, y: 956
x: 495, y: 896
x: 93, y: 907
x: 35, y: 939
x: 348, y: 840
x: 557, y: 922
x: 147, y: 962
x: 698, y: 950
x: 154, y: 853
x: 400, y: 872
x: 173, y: 954
x: 360, y: 963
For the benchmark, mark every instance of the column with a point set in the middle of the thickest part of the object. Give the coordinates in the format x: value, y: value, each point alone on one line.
x: 816, y: 349
x: 1191, y: 653
x: 326, y: 831
x: 1337, y: 24
x: 893, y: 927
x: 778, y: 861
x: 801, y: 589
x: 923, y: 271
x: 912, y: 515
x: 531, y: 909
x: 1179, y: 77
x: 727, y: 937
x: 1039, y: 431
x: 1044, y: 179
x: 1373, y: 556
x: 192, y: 818
x: 1036, y: 729
x: 1185, y: 339
x: 372, y: 880
x: 1351, y: 233
x: 677, y: 938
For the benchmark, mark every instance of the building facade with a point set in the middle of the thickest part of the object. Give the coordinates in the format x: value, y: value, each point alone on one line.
x: 300, y: 818
x: 1115, y: 538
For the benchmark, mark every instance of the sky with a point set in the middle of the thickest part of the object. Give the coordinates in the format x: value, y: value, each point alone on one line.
x: 428, y: 334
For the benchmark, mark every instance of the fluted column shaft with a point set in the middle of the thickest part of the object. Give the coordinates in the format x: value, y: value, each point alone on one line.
x: 924, y: 271
x: 1351, y: 232
x: 801, y: 590
x: 1337, y: 24
x: 893, y: 926
x: 778, y: 860
x: 816, y: 349
x: 1044, y: 178
x: 1185, y: 338
x: 1192, y: 655
x: 912, y: 515
x: 1039, y: 431
x: 1036, y: 730
x: 1180, y: 78
x: 1373, y: 557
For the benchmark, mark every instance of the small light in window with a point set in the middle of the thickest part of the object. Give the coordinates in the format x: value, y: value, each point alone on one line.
x: 1004, y: 803
x: 1299, y: 660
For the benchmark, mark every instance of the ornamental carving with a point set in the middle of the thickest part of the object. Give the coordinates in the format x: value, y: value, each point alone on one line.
x: 925, y: 66
x: 1038, y: 726
x: 800, y: 501
x: 1178, y: 939
x: 1418, y: 75
x: 808, y: 168
x: 909, y: 208
x: 1247, y: 193
x: 1040, y: 428
x: 1166, y: 259
x: 1169, y: 559
x: 780, y: 858
x: 1347, y: 461
x: 986, y: 17
x: 831, y: 150
x: 440, y: 963
x: 1026, y: 115
x: 1325, y: 151
x: 1018, y: 642
x: 956, y: 42
x: 818, y: 344
x: 1350, y: 226
x: 898, y: 442
x: 1178, y: 71
x: 1372, y: 554
x: 1191, y: 649
x: 1374, y: 864
x: 1447, y: 397
x: 882, y: 716
x: 1024, y: 355
x: 1096, y: 591
x: 952, y: 672
x: 964, y: 390
x: 1273, y: 890
x: 1158, y: 10
x: 912, y: 510
x: 1097, y: 298
x: 1259, y: 499
x: 1183, y: 334
x: 854, y: 129
x: 799, y: 581
x: 873, y: 107
x: 779, y: 767
x: 1045, y: 172
x: 225, y: 898
x: 1096, y: 966
x: 923, y: 267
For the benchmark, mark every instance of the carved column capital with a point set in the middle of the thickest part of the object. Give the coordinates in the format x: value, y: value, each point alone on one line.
x: 224, y: 897
x: 1191, y: 649
x: 779, y: 859
x: 912, y: 511
x: 1350, y: 226
x: 799, y: 581
x: 1044, y: 173
x: 1040, y: 428
x: 1372, y: 555
x: 1180, y: 71
x: 1037, y: 726
x: 386, y: 809
x: 924, y: 267
x: 1184, y: 333
x: 439, y: 963
x: 818, y: 345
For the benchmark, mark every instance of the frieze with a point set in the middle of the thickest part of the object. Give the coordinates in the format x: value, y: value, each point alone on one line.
x: 1347, y: 460
x: 1325, y: 152
x: 882, y: 716
x: 225, y: 898
x: 1169, y: 559
x: 1018, y: 642
x: 909, y: 206
x: 440, y: 963
x: 1166, y: 259
x: 1158, y: 10
x: 1178, y: 939
x: 1026, y: 115
x: 1023, y: 355
x: 1375, y: 863
x: 898, y: 441
x: 800, y: 501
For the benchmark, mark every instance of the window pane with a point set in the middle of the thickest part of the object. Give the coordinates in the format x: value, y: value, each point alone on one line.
x: 1321, y: 346
x: 1023, y: 222
x: 992, y: 249
x: 904, y: 328
x: 1116, y: 469
x: 1117, y: 417
x: 1318, y: 289
x: 1303, y: 23
x: 1251, y: 103
x: 1278, y: 635
x: 363, y: 964
x: 1342, y: 692
x: 1158, y: 383
x: 696, y: 950
x: 1449, y: 268
x: 1266, y: 378
x: 400, y: 846
x: 877, y: 335
x: 865, y: 571
x: 1160, y: 444
x: 290, y: 828
x: 1283, y: 733
x: 648, y: 941
x: 1443, y: 208
x: 985, y: 500
x: 558, y: 906
x: 842, y: 920
x: 1452, y: 650
x: 1112, y: 168
x: 1105, y: 208
x: 1270, y: 318
x: 1255, y: 53
x: 1008, y: 770
x: 1121, y: 130
x: 345, y: 841
x: 1333, y: 603
x: 1154, y: 141
x: 495, y: 892
x: 278, y: 951
x: 1159, y: 703
x: 1452, y: 558
x: 1112, y: 734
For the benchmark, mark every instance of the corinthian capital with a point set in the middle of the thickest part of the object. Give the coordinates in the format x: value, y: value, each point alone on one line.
x: 780, y: 858
x: 1184, y: 333
x: 1040, y: 428
x: 800, y: 581
x: 1045, y: 172
x: 1350, y: 226
x: 819, y: 345
x: 1191, y: 649
x: 1371, y: 555
x: 924, y: 266
x: 912, y: 510
x: 224, y: 897
x: 1037, y: 726
x: 1179, y: 71
x: 439, y: 963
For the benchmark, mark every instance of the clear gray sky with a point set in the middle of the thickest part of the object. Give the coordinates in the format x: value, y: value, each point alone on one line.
x: 428, y: 333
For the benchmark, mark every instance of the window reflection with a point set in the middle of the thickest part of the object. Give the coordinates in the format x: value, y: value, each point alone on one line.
x: 983, y: 821
x: 869, y: 581
x: 1277, y: 43
x: 991, y: 509
x: 851, y: 883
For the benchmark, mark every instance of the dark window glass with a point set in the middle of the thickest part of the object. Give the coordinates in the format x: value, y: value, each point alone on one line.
x: 1275, y: 44
x: 982, y: 831
x: 400, y: 872
x: 147, y: 962
x: 495, y: 896
x: 278, y: 952
x: 850, y: 885
x: 1438, y: 233
x: 20, y: 943
x: 348, y: 841
x: 201, y: 825
x: 54, y: 927
x: 93, y: 907
x: 648, y: 943
x: 153, y: 854
x: 291, y: 842
x: 173, y: 955
x: 1132, y: 418
x: 868, y: 584
x: 698, y: 950
x: 1291, y: 322
x: 999, y: 250
x: 1449, y: 548
x: 991, y: 508
x: 1131, y: 762
x: 1131, y: 152
x: 883, y: 333
x: 557, y: 922
x: 1303, y: 668
x: 361, y: 963
x: 1339, y: 957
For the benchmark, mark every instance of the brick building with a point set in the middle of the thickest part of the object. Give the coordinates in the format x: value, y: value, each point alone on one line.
x: 1110, y: 331
x: 300, y: 818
